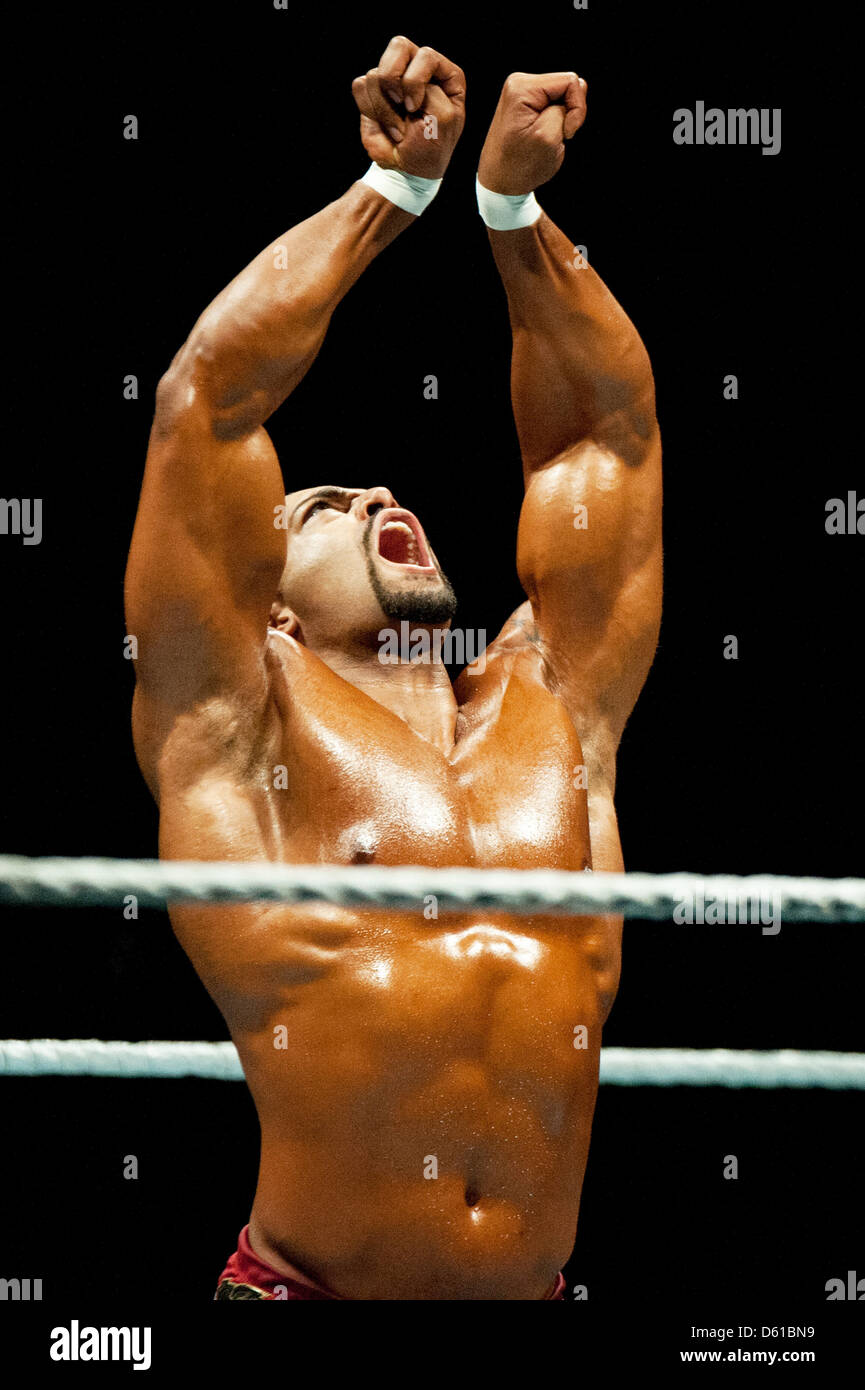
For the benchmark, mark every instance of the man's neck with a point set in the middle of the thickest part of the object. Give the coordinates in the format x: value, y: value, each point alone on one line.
x: 420, y: 692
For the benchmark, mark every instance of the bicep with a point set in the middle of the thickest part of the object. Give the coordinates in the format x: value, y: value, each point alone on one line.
x: 589, y: 555
x: 206, y: 557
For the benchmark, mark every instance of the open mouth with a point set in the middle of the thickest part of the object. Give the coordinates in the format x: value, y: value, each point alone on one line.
x: 400, y: 541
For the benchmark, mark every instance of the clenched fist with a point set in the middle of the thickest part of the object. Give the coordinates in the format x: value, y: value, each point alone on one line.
x: 536, y: 114
x: 412, y: 109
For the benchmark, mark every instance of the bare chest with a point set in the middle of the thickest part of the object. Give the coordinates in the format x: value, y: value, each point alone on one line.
x: 354, y: 784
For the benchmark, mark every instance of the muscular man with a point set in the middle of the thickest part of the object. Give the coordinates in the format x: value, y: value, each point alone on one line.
x: 425, y: 1109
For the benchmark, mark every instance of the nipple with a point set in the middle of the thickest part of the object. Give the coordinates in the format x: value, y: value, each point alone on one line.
x: 364, y: 846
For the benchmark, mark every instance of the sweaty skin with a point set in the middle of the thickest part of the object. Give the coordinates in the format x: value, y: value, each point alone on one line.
x: 425, y: 1114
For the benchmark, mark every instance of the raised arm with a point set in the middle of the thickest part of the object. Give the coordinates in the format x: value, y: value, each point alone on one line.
x: 589, y: 546
x: 207, y: 550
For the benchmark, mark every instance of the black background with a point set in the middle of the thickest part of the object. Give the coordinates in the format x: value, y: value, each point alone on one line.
x: 728, y: 261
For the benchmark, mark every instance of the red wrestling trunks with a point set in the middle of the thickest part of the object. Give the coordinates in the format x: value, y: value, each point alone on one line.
x: 247, y: 1276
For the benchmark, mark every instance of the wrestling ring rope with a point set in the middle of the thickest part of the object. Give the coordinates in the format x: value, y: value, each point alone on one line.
x: 650, y: 897
x: 620, y: 1066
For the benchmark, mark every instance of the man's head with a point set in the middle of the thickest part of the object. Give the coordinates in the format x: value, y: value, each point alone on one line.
x: 356, y: 563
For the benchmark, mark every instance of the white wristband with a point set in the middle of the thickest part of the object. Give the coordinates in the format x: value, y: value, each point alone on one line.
x: 504, y: 212
x: 408, y: 191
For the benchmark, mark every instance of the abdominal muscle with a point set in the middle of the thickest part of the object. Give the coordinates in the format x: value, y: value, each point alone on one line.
x: 425, y: 1114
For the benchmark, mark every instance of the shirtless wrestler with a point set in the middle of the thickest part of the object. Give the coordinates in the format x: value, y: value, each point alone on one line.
x: 413, y: 1045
